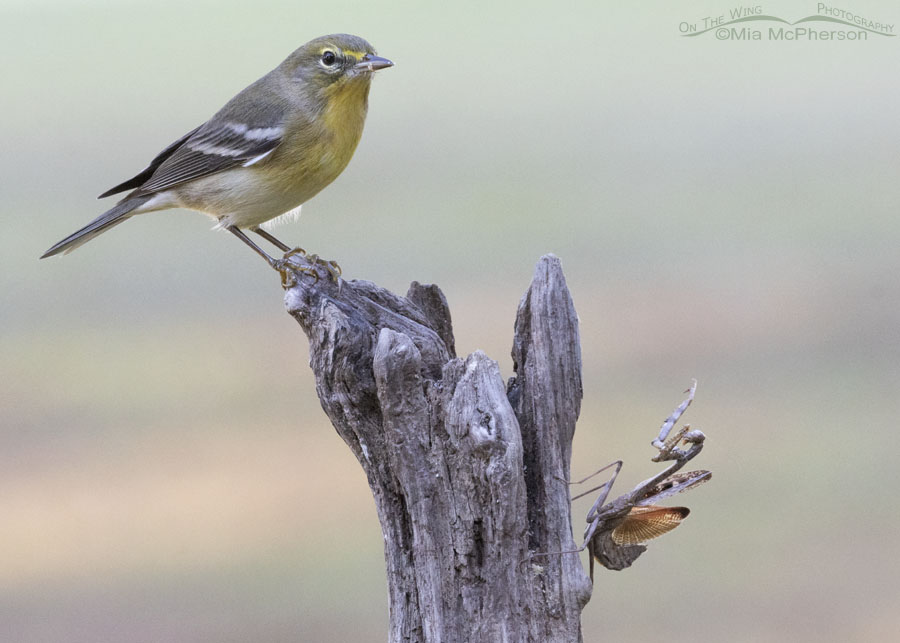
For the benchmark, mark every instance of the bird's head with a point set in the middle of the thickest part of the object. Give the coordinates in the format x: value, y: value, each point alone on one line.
x: 332, y: 63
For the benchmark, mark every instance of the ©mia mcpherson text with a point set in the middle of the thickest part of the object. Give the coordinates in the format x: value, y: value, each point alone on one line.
x: 829, y: 23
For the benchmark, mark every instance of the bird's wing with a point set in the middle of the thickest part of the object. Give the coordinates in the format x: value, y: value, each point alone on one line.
x: 216, y: 146
x: 147, y: 172
x: 246, y: 130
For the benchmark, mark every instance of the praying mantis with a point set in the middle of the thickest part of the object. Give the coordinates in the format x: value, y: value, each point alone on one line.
x: 616, y: 531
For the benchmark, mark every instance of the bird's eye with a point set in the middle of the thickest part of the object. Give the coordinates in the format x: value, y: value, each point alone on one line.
x: 328, y: 58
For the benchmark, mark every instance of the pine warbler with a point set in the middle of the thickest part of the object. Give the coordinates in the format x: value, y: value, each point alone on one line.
x: 270, y: 149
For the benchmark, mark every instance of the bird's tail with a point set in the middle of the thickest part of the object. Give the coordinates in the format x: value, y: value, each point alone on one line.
x: 112, y: 217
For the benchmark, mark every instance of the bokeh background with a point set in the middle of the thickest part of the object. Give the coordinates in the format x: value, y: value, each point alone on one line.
x: 724, y: 210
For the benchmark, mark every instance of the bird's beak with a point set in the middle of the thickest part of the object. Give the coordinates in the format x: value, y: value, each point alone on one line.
x: 371, y: 62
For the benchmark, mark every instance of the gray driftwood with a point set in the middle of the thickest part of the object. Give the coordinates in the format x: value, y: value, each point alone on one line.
x: 468, y: 473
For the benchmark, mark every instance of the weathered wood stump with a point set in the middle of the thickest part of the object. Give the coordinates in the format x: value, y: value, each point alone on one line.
x: 468, y: 473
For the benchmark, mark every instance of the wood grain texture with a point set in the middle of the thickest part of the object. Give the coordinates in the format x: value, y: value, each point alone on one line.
x: 467, y: 472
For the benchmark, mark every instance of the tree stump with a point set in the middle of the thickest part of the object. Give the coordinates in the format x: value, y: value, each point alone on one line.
x: 468, y: 473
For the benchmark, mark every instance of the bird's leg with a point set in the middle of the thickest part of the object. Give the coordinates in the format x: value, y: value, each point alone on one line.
x: 285, y: 268
x: 262, y: 253
x: 331, y: 266
x: 285, y: 248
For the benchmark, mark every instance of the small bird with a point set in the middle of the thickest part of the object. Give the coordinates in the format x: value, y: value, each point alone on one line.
x: 270, y: 149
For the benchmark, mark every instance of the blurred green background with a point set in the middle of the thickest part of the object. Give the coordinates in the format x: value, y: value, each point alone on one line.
x: 724, y: 211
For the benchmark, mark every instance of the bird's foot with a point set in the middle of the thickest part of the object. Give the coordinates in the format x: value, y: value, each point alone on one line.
x: 332, y: 267
x: 297, y: 250
x: 289, y: 272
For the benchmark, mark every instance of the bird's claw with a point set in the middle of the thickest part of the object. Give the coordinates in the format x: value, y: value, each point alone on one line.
x: 289, y: 271
x: 297, y: 250
x: 335, y: 270
x: 332, y: 267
